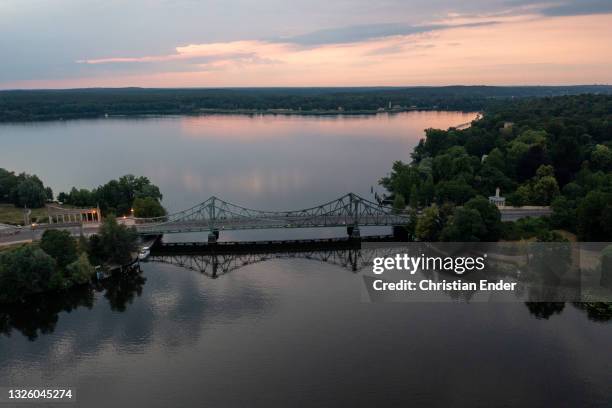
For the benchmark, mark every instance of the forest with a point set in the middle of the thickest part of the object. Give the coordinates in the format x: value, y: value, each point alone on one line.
x: 553, y: 151
x: 35, y: 105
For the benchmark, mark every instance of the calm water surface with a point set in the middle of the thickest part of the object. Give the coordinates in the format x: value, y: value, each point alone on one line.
x: 282, y: 332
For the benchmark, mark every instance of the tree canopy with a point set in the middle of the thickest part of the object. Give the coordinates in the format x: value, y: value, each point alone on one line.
x: 538, y: 151
x: 117, y: 196
x: 23, y: 190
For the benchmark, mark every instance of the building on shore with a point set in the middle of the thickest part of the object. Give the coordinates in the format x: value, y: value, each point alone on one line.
x: 497, y: 199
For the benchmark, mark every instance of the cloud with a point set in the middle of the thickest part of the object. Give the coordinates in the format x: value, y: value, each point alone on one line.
x: 508, y: 48
x: 576, y: 8
x: 563, y: 7
x: 268, y: 51
x: 344, y: 35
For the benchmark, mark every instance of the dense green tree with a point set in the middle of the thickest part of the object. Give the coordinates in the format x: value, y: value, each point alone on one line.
x: 148, y: 207
x: 30, y: 193
x: 429, y: 225
x: 533, y: 137
x: 602, y: 158
x: 489, y: 178
x: 414, y: 197
x: 427, y: 191
x: 80, y: 271
x: 79, y: 197
x: 535, y: 157
x: 544, y: 190
x: 496, y: 159
x: 567, y: 154
x: 60, y: 245
x: 541, y: 151
x: 23, y: 190
x: 8, y: 183
x: 456, y: 191
x: 572, y: 191
x: 401, y: 179
x: 115, y: 243
x: 24, y: 271
x: 490, y: 215
x: 564, y: 214
x: 465, y: 225
x: 399, y: 203
x: 115, y: 197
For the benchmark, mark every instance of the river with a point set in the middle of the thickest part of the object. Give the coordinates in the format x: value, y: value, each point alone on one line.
x: 278, y: 332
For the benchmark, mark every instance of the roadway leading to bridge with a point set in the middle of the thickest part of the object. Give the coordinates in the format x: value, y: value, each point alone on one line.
x: 25, y: 235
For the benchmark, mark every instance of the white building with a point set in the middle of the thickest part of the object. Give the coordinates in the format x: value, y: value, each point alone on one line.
x: 498, y: 200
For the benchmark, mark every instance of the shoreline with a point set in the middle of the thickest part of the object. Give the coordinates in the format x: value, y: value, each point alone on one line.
x: 237, y: 112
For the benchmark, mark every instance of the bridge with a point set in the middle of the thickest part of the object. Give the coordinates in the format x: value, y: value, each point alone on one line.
x: 214, y: 215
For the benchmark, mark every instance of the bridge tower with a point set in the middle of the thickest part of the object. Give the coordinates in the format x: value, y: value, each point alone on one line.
x: 353, y: 229
x: 213, y: 234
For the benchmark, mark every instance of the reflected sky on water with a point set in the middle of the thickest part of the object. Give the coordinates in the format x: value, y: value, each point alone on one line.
x: 294, y: 329
x: 268, y: 162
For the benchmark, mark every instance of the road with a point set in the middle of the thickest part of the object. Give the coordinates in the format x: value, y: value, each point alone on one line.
x: 23, y: 235
x: 513, y: 214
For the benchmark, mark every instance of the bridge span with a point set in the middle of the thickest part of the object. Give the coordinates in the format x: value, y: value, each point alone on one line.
x: 215, y: 215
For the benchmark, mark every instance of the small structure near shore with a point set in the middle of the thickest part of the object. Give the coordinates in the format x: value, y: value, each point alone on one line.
x: 62, y: 215
x: 499, y: 201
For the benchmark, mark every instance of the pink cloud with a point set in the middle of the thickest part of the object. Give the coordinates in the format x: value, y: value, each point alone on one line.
x: 518, y: 50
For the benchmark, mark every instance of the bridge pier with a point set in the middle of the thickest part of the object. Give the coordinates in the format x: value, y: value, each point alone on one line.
x: 400, y: 233
x: 353, y: 232
x: 213, y: 236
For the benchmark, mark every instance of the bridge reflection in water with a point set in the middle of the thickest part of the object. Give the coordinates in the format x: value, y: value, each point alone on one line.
x: 223, y: 258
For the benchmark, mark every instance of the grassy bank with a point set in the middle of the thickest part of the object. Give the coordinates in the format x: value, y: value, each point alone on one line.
x: 9, y: 214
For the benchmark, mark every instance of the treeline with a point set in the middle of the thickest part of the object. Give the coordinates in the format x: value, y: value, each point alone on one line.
x: 60, y: 261
x: 23, y: 190
x: 538, y: 151
x: 119, y: 197
x: 91, y: 103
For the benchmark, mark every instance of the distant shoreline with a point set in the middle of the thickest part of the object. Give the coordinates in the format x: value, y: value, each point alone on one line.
x: 46, y: 105
x: 239, y: 112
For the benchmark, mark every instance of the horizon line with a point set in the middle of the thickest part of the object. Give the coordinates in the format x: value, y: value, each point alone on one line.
x: 311, y: 87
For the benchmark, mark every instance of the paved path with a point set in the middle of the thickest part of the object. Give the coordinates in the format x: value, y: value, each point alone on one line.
x: 24, y: 235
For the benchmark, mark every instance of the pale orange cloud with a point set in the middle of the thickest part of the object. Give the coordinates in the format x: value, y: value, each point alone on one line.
x: 526, y: 49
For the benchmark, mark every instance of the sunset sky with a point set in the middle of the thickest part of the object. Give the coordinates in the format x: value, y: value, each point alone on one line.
x: 222, y: 43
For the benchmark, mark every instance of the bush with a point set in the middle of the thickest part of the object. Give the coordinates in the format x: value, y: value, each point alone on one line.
x: 148, y: 207
x: 491, y: 217
x: 24, y: 271
x: 60, y: 245
x: 80, y: 271
x: 114, y: 244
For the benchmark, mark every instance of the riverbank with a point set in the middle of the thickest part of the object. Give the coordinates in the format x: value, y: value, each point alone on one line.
x: 238, y: 112
x: 64, y: 104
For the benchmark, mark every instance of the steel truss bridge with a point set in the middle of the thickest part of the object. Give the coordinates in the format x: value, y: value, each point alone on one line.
x: 216, y: 215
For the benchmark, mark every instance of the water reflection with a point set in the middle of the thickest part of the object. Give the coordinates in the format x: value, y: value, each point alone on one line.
x: 268, y: 162
x: 40, y: 314
x: 214, y: 265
